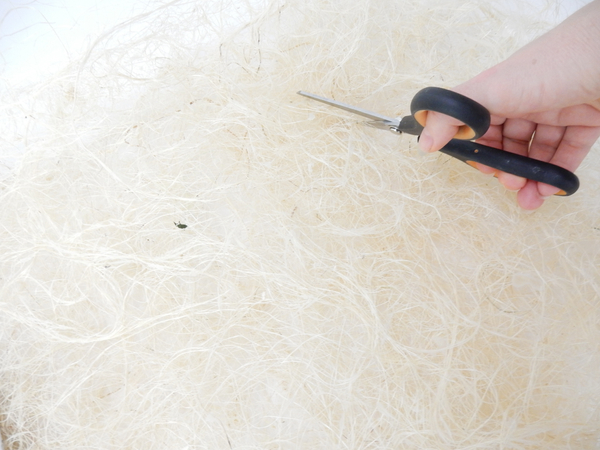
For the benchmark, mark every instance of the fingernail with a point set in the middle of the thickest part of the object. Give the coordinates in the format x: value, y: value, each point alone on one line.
x: 425, y: 142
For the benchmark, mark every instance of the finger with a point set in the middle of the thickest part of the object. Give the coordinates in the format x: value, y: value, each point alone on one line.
x: 528, y: 197
x: 543, y: 147
x: 572, y: 149
x: 517, y: 135
x: 439, y: 129
x: 545, y: 142
x: 493, y: 138
x: 518, y: 132
x: 574, y: 146
x: 577, y: 115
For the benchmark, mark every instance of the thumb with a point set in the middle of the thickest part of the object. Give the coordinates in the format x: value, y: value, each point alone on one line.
x: 439, y: 129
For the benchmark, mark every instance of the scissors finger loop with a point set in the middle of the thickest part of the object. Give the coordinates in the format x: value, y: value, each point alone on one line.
x: 475, y: 117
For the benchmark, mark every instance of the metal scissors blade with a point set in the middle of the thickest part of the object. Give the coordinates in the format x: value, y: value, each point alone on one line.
x: 377, y: 120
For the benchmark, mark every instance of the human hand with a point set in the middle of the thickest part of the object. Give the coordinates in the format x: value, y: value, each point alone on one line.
x: 562, y: 136
x: 544, y: 103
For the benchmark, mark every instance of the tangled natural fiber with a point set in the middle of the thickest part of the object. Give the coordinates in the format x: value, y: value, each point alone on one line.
x: 333, y: 289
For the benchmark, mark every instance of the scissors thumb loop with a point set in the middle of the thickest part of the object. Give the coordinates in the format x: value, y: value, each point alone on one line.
x: 476, y: 117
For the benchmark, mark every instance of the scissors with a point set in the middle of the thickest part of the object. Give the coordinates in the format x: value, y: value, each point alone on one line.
x: 476, y: 119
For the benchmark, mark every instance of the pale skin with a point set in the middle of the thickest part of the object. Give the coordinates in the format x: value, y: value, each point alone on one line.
x: 544, y: 101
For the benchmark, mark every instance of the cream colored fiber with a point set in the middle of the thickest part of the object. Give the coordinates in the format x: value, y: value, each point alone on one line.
x: 334, y: 287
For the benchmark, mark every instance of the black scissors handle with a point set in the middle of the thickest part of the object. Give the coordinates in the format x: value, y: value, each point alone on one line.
x: 476, y: 119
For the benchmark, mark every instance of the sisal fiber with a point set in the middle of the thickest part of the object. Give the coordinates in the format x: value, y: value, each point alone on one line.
x: 334, y: 288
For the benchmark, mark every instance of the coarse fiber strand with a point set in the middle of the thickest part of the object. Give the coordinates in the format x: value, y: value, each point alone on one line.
x: 334, y: 288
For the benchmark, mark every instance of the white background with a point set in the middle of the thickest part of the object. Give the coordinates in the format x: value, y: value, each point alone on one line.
x: 38, y: 36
